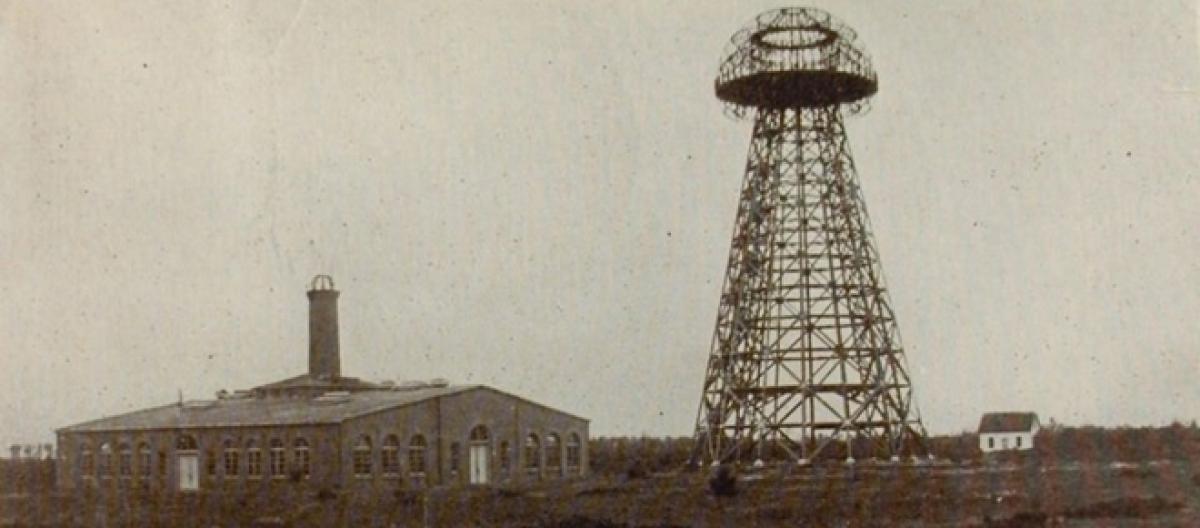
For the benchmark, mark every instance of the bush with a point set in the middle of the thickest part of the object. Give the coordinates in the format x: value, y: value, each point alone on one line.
x: 636, y: 470
x: 615, y: 455
x: 1026, y: 519
x: 580, y: 521
x: 724, y: 482
x: 1136, y: 507
x: 407, y: 498
x: 26, y: 476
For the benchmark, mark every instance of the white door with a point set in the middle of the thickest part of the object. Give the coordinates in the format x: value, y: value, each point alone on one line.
x: 479, y: 464
x: 189, y: 472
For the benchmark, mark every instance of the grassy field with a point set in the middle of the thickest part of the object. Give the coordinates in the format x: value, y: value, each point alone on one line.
x: 1002, y: 494
x: 1153, y: 494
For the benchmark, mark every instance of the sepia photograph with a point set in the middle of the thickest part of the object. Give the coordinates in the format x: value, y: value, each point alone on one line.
x: 609, y: 264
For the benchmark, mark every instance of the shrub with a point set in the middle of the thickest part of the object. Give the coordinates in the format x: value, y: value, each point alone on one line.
x: 613, y: 456
x: 724, y: 482
x: 580, y: 521
x: 1025, y: 519
x: 407, y: 498
x: 636, y: 470
x: 1137, y: 507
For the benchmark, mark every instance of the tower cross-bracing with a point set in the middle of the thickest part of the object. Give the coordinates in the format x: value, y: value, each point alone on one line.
x: 806, y: 359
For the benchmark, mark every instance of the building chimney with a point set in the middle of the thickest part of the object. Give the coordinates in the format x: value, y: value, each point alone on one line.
x: 324, y: 361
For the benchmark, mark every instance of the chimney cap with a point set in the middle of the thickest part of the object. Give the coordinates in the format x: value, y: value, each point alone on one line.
x: 321, y: 283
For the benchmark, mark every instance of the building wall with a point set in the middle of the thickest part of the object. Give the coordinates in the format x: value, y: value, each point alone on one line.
x: 163, y: 474
x: 1007, y: 441
x: 442, y: 422
x: 448, y: 420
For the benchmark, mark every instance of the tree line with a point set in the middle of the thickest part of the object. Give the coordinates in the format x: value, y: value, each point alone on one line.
x: 640, y: 456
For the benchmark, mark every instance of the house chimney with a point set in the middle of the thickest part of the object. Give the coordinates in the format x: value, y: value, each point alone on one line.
x: 324, y: 361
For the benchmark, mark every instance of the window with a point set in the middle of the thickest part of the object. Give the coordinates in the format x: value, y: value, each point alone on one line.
x: 303, y: 460
x: 416, y: 456
x: 505, y: 463
x: 991, y: 443
x: 276, y: 461
x: 232, y: 458
x: 1004, y: 443
x: 533, y: 462
x: 186, y: 443
x: 574, y: 454
x: 210, y: 463
x: 390, y: 456
x: 455, y: 458
x: 162, y: 463
x: 553, y: 455
x: 362, y: 456
x: 144, y: 457
x: 253, y: 460
x: 106, y: 460
x: 479, y: 435
x: 1018, y: 441
x: 87, y: 461
x: 124, y: 460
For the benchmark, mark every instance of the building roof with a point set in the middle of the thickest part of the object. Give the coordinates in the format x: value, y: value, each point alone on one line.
x: 247, y: 411
x: 307, y: 381
x: 251, y: 411
x: 1007, y: 422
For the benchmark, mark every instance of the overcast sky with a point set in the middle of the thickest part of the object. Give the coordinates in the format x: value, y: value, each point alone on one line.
x: 539, y: 196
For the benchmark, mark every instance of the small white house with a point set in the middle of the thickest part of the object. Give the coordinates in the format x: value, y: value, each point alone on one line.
x: 1007, y: 431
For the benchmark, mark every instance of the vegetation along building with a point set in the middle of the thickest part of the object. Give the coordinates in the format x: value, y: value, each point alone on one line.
x: 322, y: 430
x: 1007, y: 431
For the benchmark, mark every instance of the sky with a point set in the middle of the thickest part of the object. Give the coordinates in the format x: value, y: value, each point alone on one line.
x: 539, y: 196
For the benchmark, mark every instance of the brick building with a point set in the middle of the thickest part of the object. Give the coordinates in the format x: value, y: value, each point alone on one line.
x: 321, y: 430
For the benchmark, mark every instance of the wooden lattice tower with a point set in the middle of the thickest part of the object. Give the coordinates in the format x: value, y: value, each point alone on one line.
x: 806, y: 359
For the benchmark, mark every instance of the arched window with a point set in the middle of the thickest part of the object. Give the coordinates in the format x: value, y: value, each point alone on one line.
x: 124, y: 460
x: 253, y: 460
x: 533, y: 460
x: 362, y: 457
x: 87, y: 460
x: 232, y: 458
x: 106, y: 460
x: 302, y: 456
x: 416, y: 457
x: 505, y: 458
x: 553, y: 455
x: 186, y: 443
x: 479, y: 435
x: 144, y: 459
x: 390, y: 456
x: 276, y: 461
x: 574, y: 454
